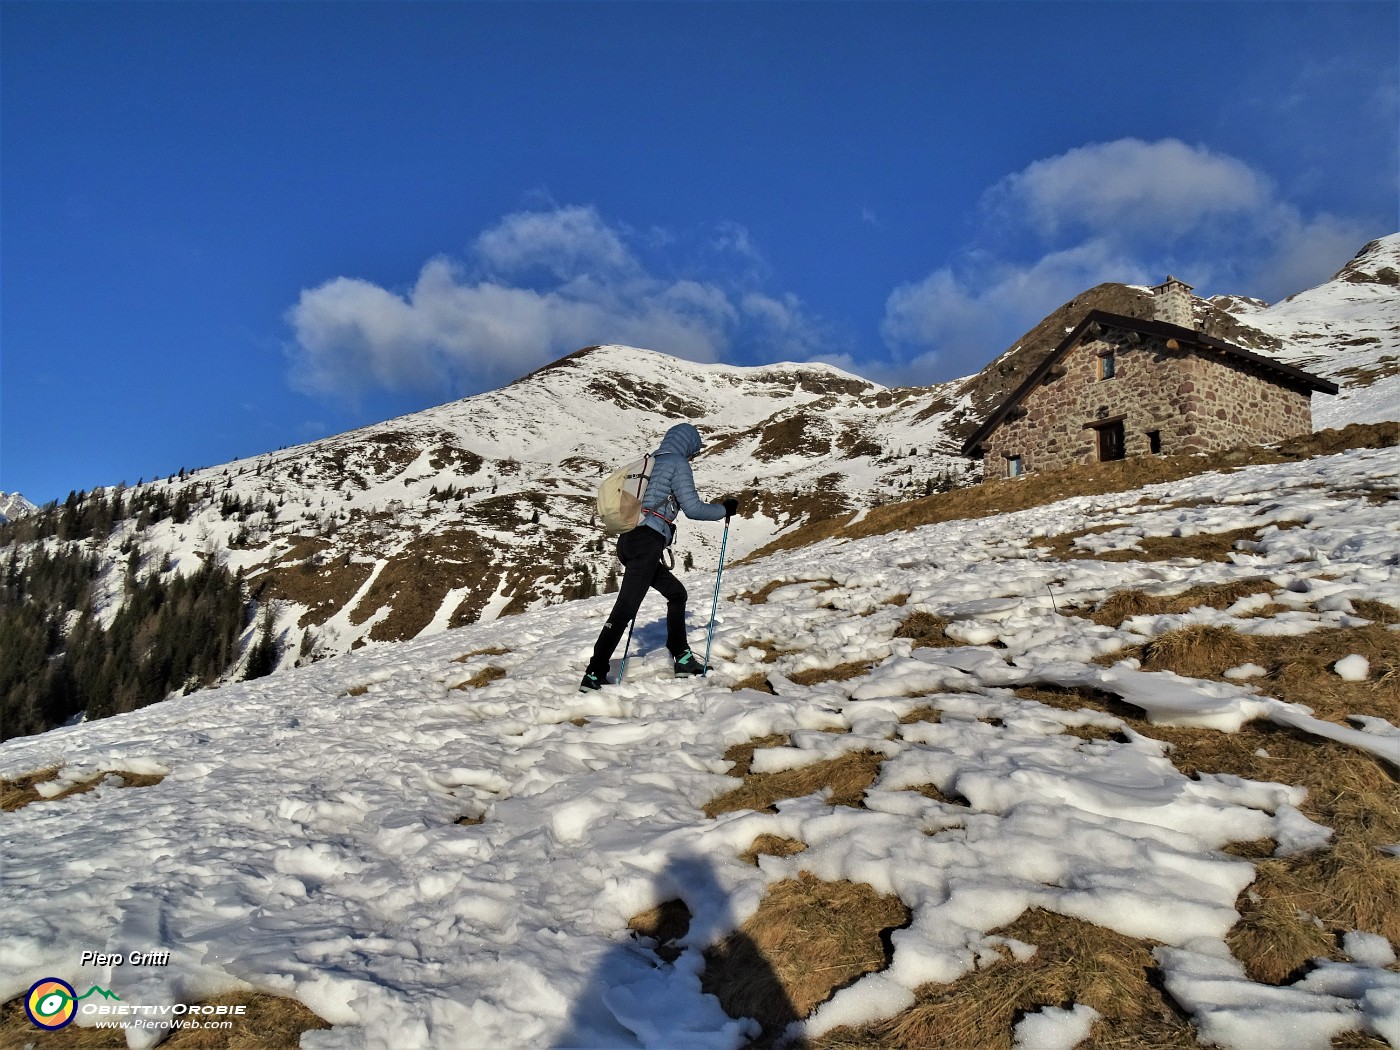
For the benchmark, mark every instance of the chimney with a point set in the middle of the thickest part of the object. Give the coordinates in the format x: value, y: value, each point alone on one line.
x: 1171, y: 302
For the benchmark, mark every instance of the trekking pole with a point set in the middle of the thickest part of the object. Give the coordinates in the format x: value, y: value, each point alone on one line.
x: 622, y: 671
x: 714, y: 605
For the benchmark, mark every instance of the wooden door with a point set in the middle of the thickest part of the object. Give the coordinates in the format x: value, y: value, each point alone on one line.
x: 1110, y: 442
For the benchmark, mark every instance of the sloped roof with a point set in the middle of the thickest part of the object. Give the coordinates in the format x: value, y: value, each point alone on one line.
x: 1189, y: 340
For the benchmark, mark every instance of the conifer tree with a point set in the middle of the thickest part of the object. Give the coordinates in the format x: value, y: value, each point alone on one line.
x: 262, y: 658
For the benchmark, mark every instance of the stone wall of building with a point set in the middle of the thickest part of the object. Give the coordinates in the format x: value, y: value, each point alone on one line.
x: 1192, y: 402
x: 1235, y: 406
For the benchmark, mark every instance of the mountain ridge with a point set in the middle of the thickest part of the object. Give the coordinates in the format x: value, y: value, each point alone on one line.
x: 482, y: 507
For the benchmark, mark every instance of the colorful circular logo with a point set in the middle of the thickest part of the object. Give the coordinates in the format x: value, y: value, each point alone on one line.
x: 51, y: 1003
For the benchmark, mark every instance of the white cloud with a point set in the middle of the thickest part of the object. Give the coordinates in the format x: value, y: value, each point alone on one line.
x: 1126, y: 211
x: 538, y: 285
x: 567, y: 242
x: 1129, y: 187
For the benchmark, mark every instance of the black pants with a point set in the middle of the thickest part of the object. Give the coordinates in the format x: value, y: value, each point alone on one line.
x: 640, y: 553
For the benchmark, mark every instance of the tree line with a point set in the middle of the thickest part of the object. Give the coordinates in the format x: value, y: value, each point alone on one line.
x: 171, y: 634
x: 93, y: 515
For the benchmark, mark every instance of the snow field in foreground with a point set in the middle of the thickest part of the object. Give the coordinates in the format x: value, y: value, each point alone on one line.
x: 304, y: 840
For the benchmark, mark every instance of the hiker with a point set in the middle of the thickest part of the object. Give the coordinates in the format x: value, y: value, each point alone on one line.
x: 670, y: 491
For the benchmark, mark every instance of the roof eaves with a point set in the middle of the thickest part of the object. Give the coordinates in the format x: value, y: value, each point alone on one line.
x: 1031, y: 381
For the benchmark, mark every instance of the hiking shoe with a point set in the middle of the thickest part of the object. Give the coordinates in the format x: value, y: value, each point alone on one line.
x: 689, y: 663
x: 592, y: 681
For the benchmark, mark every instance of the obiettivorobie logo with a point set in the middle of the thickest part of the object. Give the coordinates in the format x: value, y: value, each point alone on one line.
x: 52, y: 1003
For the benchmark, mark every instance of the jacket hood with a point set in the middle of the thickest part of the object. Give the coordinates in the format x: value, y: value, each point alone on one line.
x: 682, y: 438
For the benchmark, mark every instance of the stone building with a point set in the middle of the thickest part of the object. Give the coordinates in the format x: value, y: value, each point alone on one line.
x: 1123, y: 386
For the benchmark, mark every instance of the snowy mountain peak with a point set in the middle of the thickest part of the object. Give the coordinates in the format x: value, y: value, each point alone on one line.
x: 13, y: 505
x: 1377, y: 263
x: 619, y: 358
x: 1347, y: 330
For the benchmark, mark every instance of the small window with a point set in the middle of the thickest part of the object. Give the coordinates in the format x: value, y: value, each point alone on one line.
x: 1154, y: 441
x: 1107, y: 366
x: 1014, y: 467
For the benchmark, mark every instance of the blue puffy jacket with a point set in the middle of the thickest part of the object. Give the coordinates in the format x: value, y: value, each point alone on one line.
x: 672, y: 485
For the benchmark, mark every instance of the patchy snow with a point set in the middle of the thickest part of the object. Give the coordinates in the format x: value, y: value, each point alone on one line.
x: 304, y: 841
x: 1353, y: 668
x: 1055, y: 1029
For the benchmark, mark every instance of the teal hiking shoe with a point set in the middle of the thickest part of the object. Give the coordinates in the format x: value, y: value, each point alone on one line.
x: 688, y: 664
x: 592, y: 682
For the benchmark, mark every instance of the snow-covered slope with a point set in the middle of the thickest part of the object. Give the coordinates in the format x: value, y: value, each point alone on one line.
x: 484, y: 506
x: 306, y: 839
x: 1347, y: 330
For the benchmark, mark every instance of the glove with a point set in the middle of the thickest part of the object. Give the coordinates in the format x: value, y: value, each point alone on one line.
x: 731, y: 507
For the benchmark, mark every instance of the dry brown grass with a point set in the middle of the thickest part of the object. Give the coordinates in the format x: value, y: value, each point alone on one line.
x: 494, y: 650
x: 1359, y: 375
x: 926, y: 631
x: 21, y: 791
x: 485, y: 676
x: 758, y: 680
x: 807, y: 939
x: 322, y: 589
x: 770, y: 651
x: 1196, y: 651
x: 840, y: 673
x: 938, y: 795
x: 847, y: 776
x: 1205, y: 546
x: 771, y: 846
x: 1076, y: 962
x: 1377, y: 612
x: 1034, y: 490
x: 1121, y: 605
x: 1350, y: 885
x: 666, y: 924
x: 270, y: 1023
x: 1299, y: 667
x: 793, y: 434
x: 922, y: 714
x: 760, y: 596
x: 742, y: 754
x: 1358, y: 1041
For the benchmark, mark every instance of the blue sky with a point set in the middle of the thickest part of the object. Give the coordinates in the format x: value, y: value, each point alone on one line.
x: 237, y: 226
